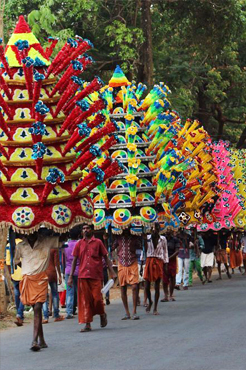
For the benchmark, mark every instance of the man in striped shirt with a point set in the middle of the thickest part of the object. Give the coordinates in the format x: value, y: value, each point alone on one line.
x: 157, y: 259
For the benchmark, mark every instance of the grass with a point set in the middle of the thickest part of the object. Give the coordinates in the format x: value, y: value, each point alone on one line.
x: 7, y: 320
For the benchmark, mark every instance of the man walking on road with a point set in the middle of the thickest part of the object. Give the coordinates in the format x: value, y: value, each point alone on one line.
x: 71, y: 295
x: 169, y: 274
x: 157, y: 259
x: 183, y: 260
x: 52, y: 271
x: 127, y: 245
x: 196, y: 244
x: 243, y: 241
x: 90, y: 251
x: 207, y: 255
x: 220, y: 253
x: 16, y: 279
x: 33, y: 254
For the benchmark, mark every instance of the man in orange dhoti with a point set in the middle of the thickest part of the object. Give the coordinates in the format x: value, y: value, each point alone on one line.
x: 157, y: 259
x: 127, y: 245
x: 34, y: 253
x: 90, y: 251
x: 236, y: 255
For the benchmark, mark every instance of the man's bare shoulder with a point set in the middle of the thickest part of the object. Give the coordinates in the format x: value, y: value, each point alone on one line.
x: 20, y: 244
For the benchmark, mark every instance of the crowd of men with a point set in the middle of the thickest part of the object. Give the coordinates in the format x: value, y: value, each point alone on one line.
x: 85, y: 260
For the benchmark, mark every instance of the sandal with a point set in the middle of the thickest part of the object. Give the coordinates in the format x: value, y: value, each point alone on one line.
x: 85, y: 329
x: 104, y: 321
x: 165, y: 300
x: 135, y: 317
x: 35, y: 346
x: 126, y: 317
x: 43, y: 345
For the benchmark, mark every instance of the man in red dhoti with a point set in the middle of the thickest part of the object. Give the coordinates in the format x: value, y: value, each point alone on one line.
x: 90, y: 251
x: 34, y: 253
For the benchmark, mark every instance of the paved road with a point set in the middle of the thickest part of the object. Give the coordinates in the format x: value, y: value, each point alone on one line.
x: 204, y: 329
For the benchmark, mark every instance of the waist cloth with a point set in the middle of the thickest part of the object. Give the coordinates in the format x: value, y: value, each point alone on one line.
x: 128, y: 275
x: 153, y: 269
x: 34, y: 288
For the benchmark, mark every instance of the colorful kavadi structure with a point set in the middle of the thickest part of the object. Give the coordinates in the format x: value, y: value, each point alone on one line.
x: 41, y: 120
x: 61, y: 137
x: 169, y: 171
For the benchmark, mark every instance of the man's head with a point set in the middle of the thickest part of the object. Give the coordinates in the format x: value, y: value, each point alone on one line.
x: 181, y: 231
x: 75, y: 232
x: 155, y: 228
x: 87, y: 231
x: 32, y: 237
x: 192, y: 231
x: 126, y: 232
x: 168, y: 232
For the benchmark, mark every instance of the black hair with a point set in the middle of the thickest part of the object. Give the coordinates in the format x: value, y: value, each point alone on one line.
x: 90, y: 225
x: 75, y: 232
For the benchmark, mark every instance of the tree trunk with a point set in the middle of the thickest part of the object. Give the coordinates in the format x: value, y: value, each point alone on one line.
x: 203, y: 115
x: 242, y: 140
x: 146, y: 70
x: 221, y: 120
x: 2, y: 6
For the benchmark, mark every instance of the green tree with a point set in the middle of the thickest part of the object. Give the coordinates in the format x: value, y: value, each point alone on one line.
x: 197, y: 47
x: 200, y: 52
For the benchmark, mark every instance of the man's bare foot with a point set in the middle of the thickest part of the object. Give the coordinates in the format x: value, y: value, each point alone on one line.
x: 43, y: 344
x: 219, y: 278
x: 35, y: 346
x: 104, y: 320
x: 164, y: 300
x: 156, y: 313
x: 148, y: 308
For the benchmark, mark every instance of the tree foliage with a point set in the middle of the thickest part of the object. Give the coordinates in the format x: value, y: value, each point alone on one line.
x: 198, y: 47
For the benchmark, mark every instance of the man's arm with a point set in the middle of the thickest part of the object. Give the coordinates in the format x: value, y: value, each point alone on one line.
x: 165, y: 250
x: 115, y: 245
x: 174, y: 254
x: 57, y: 266
x: 165, y: 255
x: 70, y: 279
x: 177, y: 246
x: 110, y: 267
x: 17, y: 257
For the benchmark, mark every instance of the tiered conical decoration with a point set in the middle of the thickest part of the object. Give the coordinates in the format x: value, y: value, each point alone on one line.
x: 238, y: 161
x: 129, y: 199
x: 228, y: 205
x: 41, y: 120
x: 161, y: 158
x: 186, y: 176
